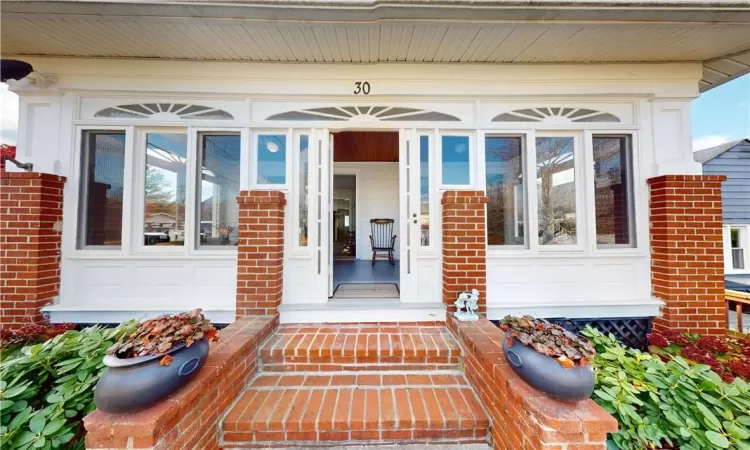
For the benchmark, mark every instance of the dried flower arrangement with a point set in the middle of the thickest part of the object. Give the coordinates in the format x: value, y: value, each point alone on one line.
x: 728, y: 356
x: 549, y: 339
x: 159, y: 335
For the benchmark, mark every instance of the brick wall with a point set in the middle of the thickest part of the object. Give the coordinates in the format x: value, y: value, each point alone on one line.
x: 520, y: 416
x: 30, y: 235
x: 189, y: 419
x: 687, y: 256
x: 260, y: 253
x: 464, y: 246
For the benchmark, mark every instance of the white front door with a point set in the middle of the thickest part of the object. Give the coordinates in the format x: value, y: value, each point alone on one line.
x: 329, y: 173
x: 409, y: 213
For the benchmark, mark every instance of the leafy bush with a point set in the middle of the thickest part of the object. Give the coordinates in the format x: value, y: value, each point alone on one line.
x: 728, y: 356
x: 549, y: 339
x: 158, y: 335
x: 666, y: 404
x: 48, y: 388
x: 13, y: 340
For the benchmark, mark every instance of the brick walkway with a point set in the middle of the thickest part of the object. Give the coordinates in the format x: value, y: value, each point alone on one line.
x: 359, y: 385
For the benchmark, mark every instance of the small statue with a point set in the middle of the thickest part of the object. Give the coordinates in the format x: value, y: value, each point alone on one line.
x: 467, y: 305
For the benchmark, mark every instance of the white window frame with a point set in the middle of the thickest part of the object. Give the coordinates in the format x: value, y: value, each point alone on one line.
x: 439, y: 133
x: 289, y: 135
x: 528, y: 139
x: 634, y: 196
x: 581, y: 187
x: 744, y: 237
x: 294, y: 190
x: 192, y: 196
x: 139, y: 185
x: 75, y: 226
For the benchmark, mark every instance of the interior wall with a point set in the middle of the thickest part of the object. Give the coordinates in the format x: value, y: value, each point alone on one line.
x: 378, y: 199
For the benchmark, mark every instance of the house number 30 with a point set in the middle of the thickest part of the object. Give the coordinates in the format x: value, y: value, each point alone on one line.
x: 361, y: 88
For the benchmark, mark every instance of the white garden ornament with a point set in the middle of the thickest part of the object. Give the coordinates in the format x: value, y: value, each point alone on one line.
x: 467, y: 305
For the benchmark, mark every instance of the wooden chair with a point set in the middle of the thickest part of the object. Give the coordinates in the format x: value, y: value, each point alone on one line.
x: 382, y: 238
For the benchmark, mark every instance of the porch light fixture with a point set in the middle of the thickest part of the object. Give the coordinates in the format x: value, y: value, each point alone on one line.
x: 14, y: 69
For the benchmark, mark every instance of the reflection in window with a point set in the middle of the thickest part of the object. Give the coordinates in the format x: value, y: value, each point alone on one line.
x: 424, y: 189
x: 556, y: 190
x: 102, y: 175
x: 613, y: 190
x: 166, y: 174
x: 272, y: 159
x: 505, y: 192
x: 456, y: 160
x: 304, y: 158
x: 218, y: 188
x: 736, y: 239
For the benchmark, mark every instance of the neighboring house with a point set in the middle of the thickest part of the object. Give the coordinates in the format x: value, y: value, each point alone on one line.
x: 733, y: 161
x: 573, y: 119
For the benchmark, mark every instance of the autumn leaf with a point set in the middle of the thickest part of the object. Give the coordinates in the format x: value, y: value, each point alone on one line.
x: 166, y: 360
x: 565, y: 362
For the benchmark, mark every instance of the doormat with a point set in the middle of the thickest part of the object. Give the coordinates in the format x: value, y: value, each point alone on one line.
x: 374, y: 290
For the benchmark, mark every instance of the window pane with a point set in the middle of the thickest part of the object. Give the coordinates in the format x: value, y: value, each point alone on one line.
x: 272, y: 159
x: 102, y: 176
x: 738, y: 252
x: 734, y: 234
x: 612, y: 190
x: 218, y: 188
x: 304, y: 156
x: 166, y: 173
x: 424, y: 188
x: 456, y: 160
x: 505, y: 190
x: 556, y: 190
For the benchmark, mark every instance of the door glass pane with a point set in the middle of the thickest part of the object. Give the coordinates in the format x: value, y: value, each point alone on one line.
x: 505, y: 190
x: 102, y: 177
x: 272, y: 159
x: 612, y: 190
x: 218, y: 188
x: 455, y: 160
x: 166, y: 174
x: 302, y: 188
x: 424, y: 188
x: 556, y: 190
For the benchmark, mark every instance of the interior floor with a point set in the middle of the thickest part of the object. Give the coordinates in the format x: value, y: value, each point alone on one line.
x: 362, y: 271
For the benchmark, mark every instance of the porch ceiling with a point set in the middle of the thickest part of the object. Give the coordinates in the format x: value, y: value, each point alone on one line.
x: 719, y: 36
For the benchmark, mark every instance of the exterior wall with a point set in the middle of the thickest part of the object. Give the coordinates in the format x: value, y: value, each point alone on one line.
x: 377, y: 197
x: 735, y: 191
x: 30, y: 215
x: 652, y: 103
x: 686, y: 253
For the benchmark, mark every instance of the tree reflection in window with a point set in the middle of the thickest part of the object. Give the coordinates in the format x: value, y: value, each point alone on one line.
x: 166, y: 174
x: 556, y: 190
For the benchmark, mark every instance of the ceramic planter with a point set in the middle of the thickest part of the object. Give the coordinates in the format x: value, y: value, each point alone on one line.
x: 547, y: 375
x: 133, y: 384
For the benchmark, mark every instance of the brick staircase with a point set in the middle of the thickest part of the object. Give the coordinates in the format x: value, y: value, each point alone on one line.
x: 325, y: 386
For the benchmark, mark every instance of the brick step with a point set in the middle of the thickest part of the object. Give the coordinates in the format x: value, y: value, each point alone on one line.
x: 360, y: 347
x: 284, y: 410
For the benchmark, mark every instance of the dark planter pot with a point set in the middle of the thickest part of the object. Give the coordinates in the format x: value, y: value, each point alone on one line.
x: 547, y: 375
x: 134, y: 384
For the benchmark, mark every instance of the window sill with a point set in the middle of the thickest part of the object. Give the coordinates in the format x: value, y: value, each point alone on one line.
x: 230, y: 256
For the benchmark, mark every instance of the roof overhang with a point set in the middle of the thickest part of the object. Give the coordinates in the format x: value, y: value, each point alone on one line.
x: 349, y: 31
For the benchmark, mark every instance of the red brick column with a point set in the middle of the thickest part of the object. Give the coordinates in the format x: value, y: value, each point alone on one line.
x: 260, y: 253
x: 687, y: 257
x: 30, y: 233
x: 464, y: 246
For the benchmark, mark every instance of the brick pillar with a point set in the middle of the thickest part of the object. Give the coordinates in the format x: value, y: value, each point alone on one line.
x: 260, y: 253
x: 30, y: 233
x: 687, y: 256
x: 464, y: 246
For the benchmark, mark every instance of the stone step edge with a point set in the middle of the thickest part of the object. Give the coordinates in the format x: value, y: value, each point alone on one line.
x: 410, y: 444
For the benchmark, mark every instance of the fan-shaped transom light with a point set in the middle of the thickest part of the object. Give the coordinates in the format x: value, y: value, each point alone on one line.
x: 555, y: 115
x: 364, y: 113
x: 164, y: 111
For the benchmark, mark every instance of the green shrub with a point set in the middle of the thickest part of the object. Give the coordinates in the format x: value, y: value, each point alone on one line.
x: 46, y: 389
x: 662, y: 404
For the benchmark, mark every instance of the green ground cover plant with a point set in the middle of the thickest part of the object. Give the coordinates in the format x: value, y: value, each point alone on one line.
x: 47, y: 388
x: 668, y: 404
